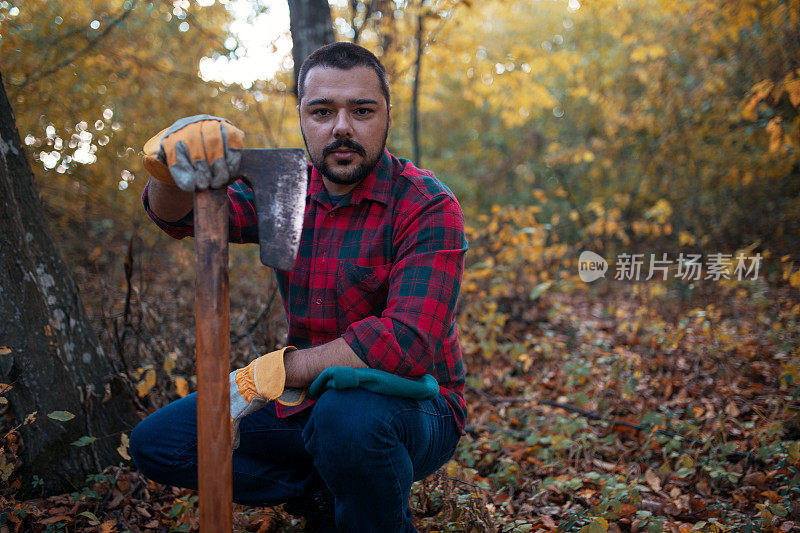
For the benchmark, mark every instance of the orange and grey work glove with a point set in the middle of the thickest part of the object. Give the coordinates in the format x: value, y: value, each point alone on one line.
x: 257, y: 384
x: 195, y: 153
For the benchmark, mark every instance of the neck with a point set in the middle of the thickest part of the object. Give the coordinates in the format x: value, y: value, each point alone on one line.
x: 336, y: 189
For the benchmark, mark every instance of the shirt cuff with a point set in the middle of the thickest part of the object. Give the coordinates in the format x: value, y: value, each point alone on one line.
x: 373, y: 342
x: 178, y: 229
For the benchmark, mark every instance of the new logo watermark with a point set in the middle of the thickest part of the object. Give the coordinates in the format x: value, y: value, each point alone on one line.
x: 688, y: 267
x: 591, y: 266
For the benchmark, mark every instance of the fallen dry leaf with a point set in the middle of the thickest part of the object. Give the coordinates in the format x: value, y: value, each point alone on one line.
x: 181, y: 386
x: 547, y: 521
x: 653, y: 480
x: 116, y: 499
x: 54, y: 519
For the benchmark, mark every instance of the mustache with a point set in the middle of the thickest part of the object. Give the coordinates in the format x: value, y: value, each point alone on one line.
x: 344, y: 143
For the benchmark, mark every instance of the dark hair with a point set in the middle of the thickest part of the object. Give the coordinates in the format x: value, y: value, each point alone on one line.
x: 344, y: 56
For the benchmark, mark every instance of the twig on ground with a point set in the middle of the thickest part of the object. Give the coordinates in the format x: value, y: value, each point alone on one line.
x: 110, y: 490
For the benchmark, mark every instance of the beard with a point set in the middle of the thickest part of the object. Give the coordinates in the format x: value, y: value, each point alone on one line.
x: 355, y: 175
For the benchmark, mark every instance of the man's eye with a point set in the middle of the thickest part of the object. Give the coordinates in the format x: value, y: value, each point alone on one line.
x: 321, y: 112
x: 363, y: 111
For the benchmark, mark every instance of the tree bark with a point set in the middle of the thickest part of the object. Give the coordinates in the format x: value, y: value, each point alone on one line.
x: 311, y: 27
x: 415, y: 89
x: 49, y: 352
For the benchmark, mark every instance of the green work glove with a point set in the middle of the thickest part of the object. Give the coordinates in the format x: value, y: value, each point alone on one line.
x: 343, y: 377
x: 257, y: 384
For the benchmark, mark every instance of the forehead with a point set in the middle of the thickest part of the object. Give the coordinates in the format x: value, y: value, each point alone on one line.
x: 338, y: 84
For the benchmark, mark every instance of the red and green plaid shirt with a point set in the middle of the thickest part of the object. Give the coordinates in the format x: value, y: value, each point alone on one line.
x: 381, y: 269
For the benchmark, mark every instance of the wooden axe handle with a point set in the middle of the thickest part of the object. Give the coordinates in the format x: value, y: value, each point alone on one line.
x: 213, y: 347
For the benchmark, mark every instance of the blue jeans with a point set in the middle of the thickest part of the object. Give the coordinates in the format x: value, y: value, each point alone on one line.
x: 365, y: 448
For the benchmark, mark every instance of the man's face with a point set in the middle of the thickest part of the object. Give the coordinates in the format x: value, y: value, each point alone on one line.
x: 344, y: 119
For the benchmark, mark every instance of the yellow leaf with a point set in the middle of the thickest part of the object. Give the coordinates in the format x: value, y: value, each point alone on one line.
x: 182, y: 387
x: 579, y: 92
x: 597, y: 525
x: 639, y: 54
x: 794, y: 279
x: 122, y: 449
x: 794, y: 451
x: 149, y: 381
x: 760, y: 91
x: 97, y: 252
x: 539, y: 96
x: 5, y: 350
x: 684, y: 238
x: 452, y: 469
x: 169, y: 364
x: 775, y: 130
x: 657, y: 51
x: 793, y: 90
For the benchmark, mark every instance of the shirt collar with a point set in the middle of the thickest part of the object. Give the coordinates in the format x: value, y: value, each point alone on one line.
x: 377, y: 186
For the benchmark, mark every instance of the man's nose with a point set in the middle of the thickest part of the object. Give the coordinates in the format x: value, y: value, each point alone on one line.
x: 342, y: 127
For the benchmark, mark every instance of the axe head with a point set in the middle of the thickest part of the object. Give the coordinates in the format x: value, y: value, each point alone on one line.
x: 279, y: 180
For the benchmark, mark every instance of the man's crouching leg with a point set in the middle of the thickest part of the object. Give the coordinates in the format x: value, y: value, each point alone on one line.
x: 369, y: 448
x: 270, y: 466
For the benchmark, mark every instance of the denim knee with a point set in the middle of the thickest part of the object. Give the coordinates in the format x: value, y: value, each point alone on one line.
x: 143, y: 448
x: 164, y: 444
x: 345, y: 424
x: 353, y: 439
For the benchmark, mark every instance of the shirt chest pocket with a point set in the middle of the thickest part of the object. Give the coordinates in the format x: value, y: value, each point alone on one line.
x: 360, y: 292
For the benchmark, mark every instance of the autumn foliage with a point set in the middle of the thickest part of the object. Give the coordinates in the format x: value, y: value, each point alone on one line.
x: 645, y: 127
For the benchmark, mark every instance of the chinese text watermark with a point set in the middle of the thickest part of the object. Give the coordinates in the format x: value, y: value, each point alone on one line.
x: 687, y: 267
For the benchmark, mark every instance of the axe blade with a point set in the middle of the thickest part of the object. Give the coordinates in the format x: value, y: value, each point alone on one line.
x: 279, y: 179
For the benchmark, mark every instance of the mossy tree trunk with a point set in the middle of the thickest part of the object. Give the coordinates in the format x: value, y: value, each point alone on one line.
x: 49, y: 353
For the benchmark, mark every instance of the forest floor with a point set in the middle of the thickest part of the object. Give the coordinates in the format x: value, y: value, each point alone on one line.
x: 614, y: 407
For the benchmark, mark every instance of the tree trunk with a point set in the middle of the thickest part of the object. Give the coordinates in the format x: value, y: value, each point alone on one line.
x: 49, y: 353
x: 415, y: 89
x: 311, y: 27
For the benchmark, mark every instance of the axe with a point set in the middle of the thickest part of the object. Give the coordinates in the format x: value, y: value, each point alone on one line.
x: 278, y: 179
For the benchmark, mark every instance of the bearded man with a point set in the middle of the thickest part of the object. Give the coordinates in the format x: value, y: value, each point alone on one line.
x: 373, y: 292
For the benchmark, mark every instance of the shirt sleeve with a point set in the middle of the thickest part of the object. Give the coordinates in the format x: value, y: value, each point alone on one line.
x: 242, y: 218
x: 424, y: 284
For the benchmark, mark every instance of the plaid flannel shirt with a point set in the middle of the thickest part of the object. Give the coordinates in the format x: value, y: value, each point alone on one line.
x: 381, y: 269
